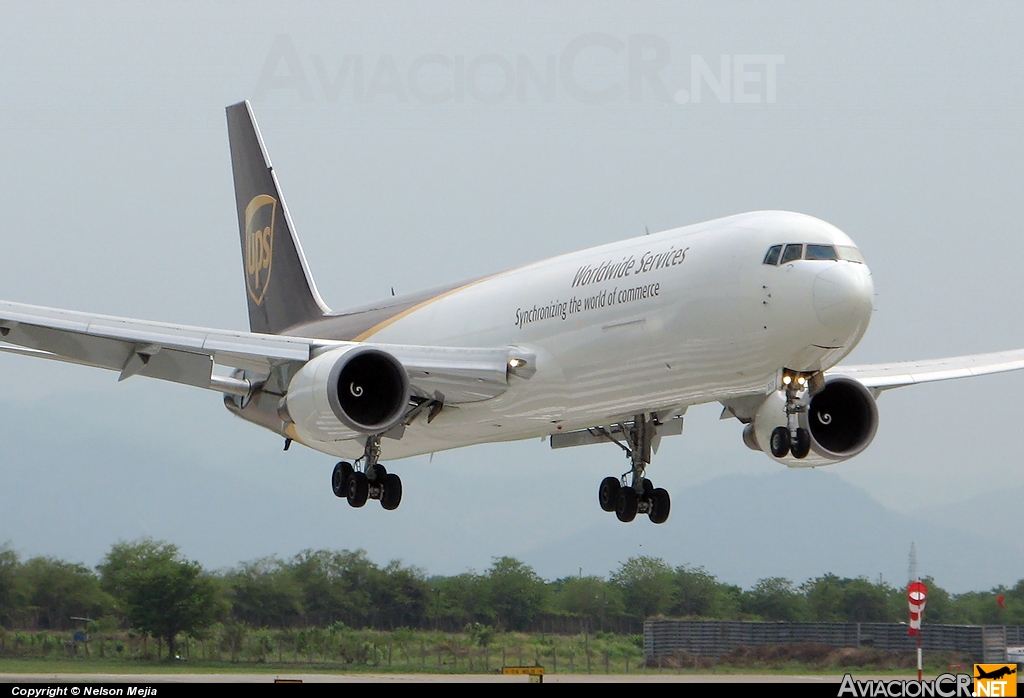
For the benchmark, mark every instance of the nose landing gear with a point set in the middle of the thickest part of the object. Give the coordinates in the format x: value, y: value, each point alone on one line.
x: 793, y: 439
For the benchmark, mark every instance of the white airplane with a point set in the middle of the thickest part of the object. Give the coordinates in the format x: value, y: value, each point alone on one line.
x: 607, y: 345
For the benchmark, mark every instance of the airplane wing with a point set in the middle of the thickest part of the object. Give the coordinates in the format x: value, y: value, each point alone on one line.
x: 186, y: 354
x: 895, y: 375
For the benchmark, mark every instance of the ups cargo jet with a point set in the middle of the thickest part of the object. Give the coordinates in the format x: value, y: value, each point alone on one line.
x: 608, y: 345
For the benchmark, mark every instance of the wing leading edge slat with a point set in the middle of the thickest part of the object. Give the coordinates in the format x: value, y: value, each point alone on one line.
x: 899, y: 374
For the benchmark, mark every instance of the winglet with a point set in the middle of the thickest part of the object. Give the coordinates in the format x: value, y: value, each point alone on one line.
x: 279, y: 287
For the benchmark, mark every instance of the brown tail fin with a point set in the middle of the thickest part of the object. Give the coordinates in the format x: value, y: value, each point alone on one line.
x: 280, y: 289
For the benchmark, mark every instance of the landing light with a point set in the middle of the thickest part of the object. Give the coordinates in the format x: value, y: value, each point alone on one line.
x: 787, y: 380
x: 522, y: 366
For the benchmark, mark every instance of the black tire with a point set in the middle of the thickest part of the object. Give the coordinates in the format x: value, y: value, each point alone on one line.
x: 608, y: 493
x: 358, y: 489
x: 648, y: 487
x: 802, y: 446
x: 661, y: 504
x: 392, y: 496
x: 780, y: 442
x: 625, y: 504
x: 376, y: 474
x: 339, y: 478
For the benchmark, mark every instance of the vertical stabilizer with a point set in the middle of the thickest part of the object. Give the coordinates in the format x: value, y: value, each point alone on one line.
x: 279, y: 287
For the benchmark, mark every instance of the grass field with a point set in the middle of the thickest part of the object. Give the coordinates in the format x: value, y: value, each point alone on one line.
x: 783, y: 660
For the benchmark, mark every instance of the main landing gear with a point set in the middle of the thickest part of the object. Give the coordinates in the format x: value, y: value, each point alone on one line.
x: 793, y: 439
x: 371, y: 482
x: 638, y: 495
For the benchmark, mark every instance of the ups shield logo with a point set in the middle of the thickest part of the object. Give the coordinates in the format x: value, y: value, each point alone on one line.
x: 259, y: 245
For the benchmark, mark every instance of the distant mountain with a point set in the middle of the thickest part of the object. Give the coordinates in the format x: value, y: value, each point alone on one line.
x: 795, y: 524
x: 996, y: 516
x: 80, y: 471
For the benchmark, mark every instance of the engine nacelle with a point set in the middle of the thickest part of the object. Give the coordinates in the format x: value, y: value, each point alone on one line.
x: 345, y: 393
x: 842, y: 420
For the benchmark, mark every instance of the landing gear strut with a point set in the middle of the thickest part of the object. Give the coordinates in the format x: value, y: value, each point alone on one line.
x: 793, y: 439
x: 372, y: 481
x: 627, y: 496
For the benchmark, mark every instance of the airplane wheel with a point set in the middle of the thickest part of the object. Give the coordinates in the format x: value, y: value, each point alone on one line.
x: 392, y: 492
x: 358, y: 489
x: 802, y: 446
x: 625, y: 504
x: 780, y: 442
x: 648, y: 487
x: 608, y: 493
x: 377, y: 473
x: 339, y: 478
x: 661, y: 506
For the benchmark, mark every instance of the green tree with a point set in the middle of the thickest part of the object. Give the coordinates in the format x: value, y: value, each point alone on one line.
x: 586, y: 596
x: 939, y: 607
x: 265, y: 593
x: 897, y: 604
x: 699, y: 593
x: 161, y: 593
x: 10, y: 596
x: 830, y: 598
x: 337, y: 586
x: 517, y: 594
x: 1014, y: 600
x: 463, y: 598
x: 56, y: 591
x: 824, y: 598
x: 979, y: 607
x: 399, y: 597
x: 647, y: 585
x: 864, y: 602
x: 773, y: 598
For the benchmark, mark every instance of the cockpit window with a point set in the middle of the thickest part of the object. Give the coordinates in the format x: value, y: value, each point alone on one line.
x: 821, y: 252
x: 850, y: 254
x: 792, y: 253
x: 773, y: 255
x: 776, y: 255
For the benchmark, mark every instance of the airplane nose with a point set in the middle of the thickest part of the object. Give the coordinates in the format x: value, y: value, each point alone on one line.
x: 843, y: 296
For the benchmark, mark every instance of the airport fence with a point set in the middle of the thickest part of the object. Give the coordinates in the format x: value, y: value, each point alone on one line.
x: 556, y: 624
x: 709, y: 638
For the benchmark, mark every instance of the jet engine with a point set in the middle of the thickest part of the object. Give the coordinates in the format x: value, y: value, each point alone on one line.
x: 842, y: 420
x: 345, y: 393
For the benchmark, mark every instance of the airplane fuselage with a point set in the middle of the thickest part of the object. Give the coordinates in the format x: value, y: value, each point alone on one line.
x: 613, y: 343
x: 655, y: 323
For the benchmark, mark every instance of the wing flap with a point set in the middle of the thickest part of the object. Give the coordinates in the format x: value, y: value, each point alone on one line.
x: 166, y: 364
x: 37, y: 354
x: 180, y: 367
x: 73, y: 344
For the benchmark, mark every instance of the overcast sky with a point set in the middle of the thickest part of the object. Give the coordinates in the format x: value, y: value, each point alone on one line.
x: 420, y: 144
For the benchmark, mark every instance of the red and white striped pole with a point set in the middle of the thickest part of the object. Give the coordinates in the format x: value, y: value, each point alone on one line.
x: 917, y: 595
